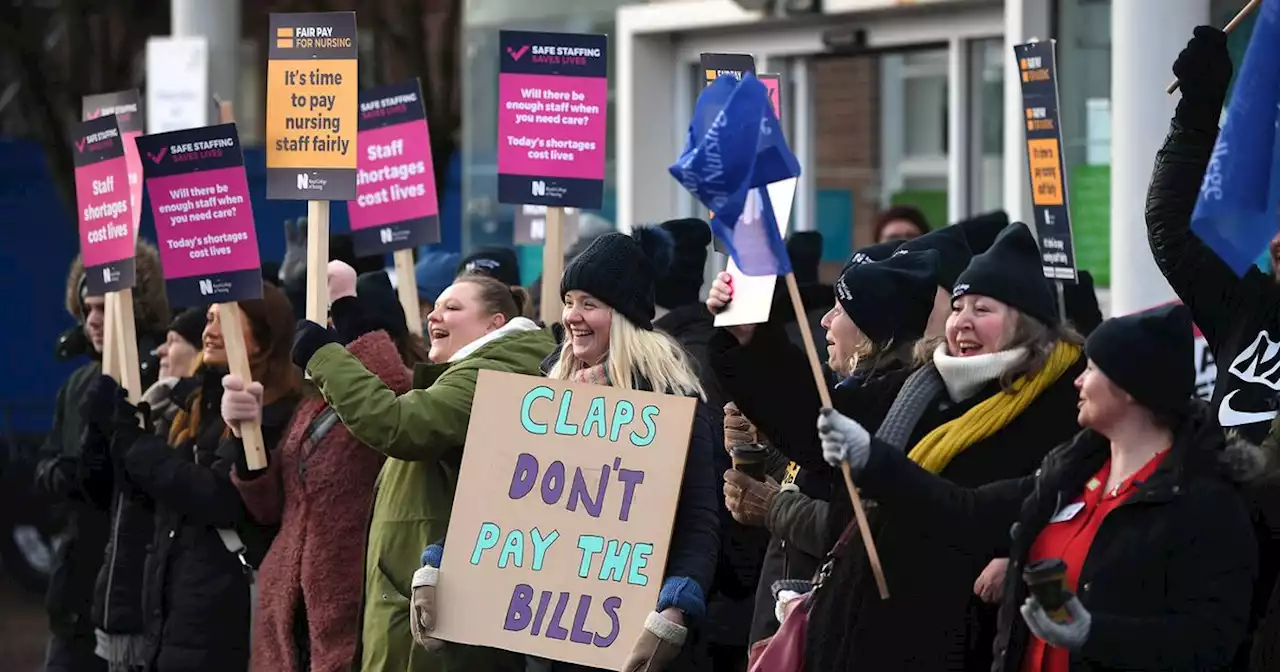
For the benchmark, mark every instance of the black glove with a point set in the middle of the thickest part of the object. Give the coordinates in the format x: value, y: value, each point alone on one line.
x: 307, y: 338
x: 352, y: 318
x: 1204, y: 72
x: 98, y: 406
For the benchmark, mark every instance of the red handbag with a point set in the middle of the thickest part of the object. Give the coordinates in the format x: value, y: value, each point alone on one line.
x: 784, y: 651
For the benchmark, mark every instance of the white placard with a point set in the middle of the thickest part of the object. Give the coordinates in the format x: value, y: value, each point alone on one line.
x: 177, y: 83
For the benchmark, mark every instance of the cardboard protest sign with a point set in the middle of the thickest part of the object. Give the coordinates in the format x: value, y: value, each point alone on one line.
x: 177, y: 83
x: 312, y: 106
x: 531, y: 225
x: 126, y: 107
x: 1038, y: 65
x: 563, y: 516
x: 552, y: 98
x: 395, y: 206
x: 204, y: 220
x: 104, y: 205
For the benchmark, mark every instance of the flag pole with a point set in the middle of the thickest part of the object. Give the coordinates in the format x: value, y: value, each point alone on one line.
x: 806, y: 336
x: 1231, y: 25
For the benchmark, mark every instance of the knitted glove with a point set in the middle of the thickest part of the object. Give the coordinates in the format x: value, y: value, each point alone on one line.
x: 240, y: 402
x: 1204, y: 71
x: 843, y: 440
x: 659, y: 643
x: 98, y: 406
x: 1070, y: 636
x: 422, y: 616
x: 747, y: 499
x: 352, y: 318
x: 307, y: 339
x: 738, y: 430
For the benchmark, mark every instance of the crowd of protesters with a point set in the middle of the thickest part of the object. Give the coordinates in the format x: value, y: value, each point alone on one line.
x: 1003, y: 437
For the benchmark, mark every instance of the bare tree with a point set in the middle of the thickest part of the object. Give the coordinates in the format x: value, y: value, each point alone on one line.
x: 55, y: 52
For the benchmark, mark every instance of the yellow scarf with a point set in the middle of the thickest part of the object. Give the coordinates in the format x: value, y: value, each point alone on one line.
x: 936, y: 450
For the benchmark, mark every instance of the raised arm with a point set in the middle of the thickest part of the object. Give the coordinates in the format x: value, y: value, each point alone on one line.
x: 416, y: 425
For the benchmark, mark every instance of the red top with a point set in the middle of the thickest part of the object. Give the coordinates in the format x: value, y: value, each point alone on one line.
x: 1069, y: 538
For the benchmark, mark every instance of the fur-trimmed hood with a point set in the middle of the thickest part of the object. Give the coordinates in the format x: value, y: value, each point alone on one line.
x: 150, y: 303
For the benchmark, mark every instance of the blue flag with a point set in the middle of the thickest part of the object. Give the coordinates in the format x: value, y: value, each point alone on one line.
x: 733, y: 151
x: 1235, y: 213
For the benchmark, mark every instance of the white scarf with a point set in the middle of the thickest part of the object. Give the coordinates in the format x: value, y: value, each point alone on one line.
x: 964, y: 376
x: 516, y: 325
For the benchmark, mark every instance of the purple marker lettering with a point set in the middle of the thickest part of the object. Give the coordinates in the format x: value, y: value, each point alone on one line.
x: 518, y: 609
x: 631, y: 478
x: 553, y: 483
x: 525, y: 476
x: 554, y: 629
x: 579, y: 492
x: 581, y: 636
x: 611, y: 606
x: 543, y: 601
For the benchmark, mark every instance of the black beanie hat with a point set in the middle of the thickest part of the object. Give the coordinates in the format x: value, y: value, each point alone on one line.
x: 621, y: 271
x: 1150, y: 355
x: 981, y: 231
x: 805, y: 250
x: 683, y: 281
x: 874, y: 252
x: 499, y: 263
x: 383, y: 304
x: 1011, y: 272
x: 953, y: 252
x: 189, y: 324
x: 891, y: 300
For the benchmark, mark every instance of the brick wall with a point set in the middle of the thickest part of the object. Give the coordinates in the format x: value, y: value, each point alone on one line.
x: 846, y: 137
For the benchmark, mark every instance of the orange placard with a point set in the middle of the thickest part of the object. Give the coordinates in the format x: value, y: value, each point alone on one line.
x: 1046, y: 178
x: 312, y: 106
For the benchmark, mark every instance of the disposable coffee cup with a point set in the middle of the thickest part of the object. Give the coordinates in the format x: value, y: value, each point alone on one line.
x: 1047, y: 581
x: 750, y: 460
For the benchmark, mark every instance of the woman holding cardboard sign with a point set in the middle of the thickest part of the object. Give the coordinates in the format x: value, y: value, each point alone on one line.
x: 608, y: 294
x: 196, y: 601
x: 476, y: 324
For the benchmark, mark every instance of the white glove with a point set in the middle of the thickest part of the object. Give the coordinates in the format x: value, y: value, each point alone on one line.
x: 422, y: 608
x: 843, y: 440
x: 240, y: 402
x: 1070, y: 636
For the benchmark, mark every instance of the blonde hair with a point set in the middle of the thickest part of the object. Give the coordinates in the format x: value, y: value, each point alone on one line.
x: 650, y: 355
x: 1020, y: 331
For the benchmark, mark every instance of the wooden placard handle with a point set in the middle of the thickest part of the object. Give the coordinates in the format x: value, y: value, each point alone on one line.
x: 407, y: 288
x: 806, y: 335
x: 1231, y: 25
x: 552, y: 267
x: 232, y: 321
x: 318, y: 262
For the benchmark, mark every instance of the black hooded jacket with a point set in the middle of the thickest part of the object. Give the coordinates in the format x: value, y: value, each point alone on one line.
x: 1167, y: 579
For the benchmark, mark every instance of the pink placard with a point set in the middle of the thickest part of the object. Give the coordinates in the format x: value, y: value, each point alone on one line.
x: 395, y: 178
x: 552, y: 126
x: 106, y: 215
x: 133, y: 166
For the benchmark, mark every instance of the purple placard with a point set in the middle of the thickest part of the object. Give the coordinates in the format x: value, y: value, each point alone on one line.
x: 204, y: 221
x: 552, y: 122
x: 395, y: 206
x: 104, y: 207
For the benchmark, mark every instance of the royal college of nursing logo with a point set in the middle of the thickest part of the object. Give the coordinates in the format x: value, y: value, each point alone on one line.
x: 206, y: 287
x: 386, y: 236
x: 309, y: 182
x: 539, y: 188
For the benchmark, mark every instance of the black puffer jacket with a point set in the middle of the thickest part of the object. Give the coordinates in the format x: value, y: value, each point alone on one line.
x: 118, y: 592
x: 1168, y: 577
x: 931, y: 572
x: 60, y: 473
x: 1240, y: 320
x: 196, y: 594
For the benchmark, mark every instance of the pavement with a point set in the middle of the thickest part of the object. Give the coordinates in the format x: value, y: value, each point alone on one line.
x: 23, y: 628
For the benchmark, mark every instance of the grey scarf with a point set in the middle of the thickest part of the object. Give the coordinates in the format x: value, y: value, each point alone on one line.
x: 921, y: 389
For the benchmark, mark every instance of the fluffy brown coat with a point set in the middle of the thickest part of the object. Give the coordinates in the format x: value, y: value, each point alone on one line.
x: 320, y: 495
